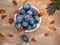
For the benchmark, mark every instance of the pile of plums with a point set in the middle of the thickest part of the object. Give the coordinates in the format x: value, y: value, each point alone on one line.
x: 27, y: 18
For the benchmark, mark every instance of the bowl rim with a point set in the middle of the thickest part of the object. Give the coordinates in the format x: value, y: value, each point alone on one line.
x: 37, y: 24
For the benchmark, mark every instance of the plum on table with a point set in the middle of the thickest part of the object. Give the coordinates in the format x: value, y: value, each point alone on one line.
x: 25, y: 38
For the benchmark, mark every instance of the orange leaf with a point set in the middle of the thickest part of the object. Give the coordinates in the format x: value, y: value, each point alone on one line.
x: 1, y: 36
x: 25, y: 1
x: 2, y: 11
x: 42, y: 13
x: 21, y: 32
x: 17, y: 11
x: 52, y: 28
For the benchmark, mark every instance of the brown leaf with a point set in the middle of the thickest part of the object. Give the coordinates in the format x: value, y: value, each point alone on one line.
x: 18, y: 44
x: 52, y: 28
x: 14, y: 2
x: 46, y: 34
x: 11, y: 20
x: 10, y: 35
x: 52, y: 22
x: 33, y: 40
x: 3, y: 16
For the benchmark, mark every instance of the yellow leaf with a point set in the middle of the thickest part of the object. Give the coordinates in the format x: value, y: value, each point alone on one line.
x: 2, y: 11
x: 21, y: 32
x: 25, y: 1
x: 1, y: 37
x: 52, y: 28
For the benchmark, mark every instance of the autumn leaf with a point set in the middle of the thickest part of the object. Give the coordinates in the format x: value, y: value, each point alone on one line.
x: 17, y: 12
x: 11, y: 20
x: 52, y: 28
x: 14, y: 2
x: 52, y: 22
x: 42, y: 13
x: 25, y: 1
x: 33, y: 40
x: 46, y: 34
x: 3, y: 16
x: 2, y: 11
x: 1, y: 37
x: 21, y: 32
x: 10, y: 35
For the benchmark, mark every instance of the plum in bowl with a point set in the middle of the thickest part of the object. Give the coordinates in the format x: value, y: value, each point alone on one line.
x: 27, y: 18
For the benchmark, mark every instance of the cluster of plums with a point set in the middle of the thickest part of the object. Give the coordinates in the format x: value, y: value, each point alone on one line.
x: 27, y: 18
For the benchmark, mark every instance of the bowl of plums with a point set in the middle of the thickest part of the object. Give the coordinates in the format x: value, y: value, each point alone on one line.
x: 27, y: 18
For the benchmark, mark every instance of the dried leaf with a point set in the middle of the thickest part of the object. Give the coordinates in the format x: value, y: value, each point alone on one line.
x: 42, y: 13
x: 21, y: 32
x: 10, y: 35
x: 52, y: 22
x: 39, y: 14
x: 18, y: 44
x: 3, y: 16
x: 2, y: 11
x: 52, y: 28
x: 46, y: 34
x: 51, y: 8
x: 11, y: 20
x: 14, y: 2
x: 1, y: 37
x: 33, y: 40
x: 25, y: 1
x: 17, y: 11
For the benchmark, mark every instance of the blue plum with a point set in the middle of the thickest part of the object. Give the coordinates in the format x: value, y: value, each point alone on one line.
x: 31, y: 20
x: 27, y: 17
x: 36, y: 19
x: 29, y: 27
x: 22, y: 11
x: 25, y: 24
x: 35, y: 12
x: 19, y: 18
x: 25, y: 38
x: 29, y: 12
x: 27, y: 6
x: 19, y: 26
x: 34, y: 26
